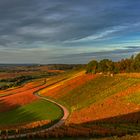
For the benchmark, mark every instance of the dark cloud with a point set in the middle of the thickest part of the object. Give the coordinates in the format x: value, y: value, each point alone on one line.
x: 116, y: 54
x: 80, y: 23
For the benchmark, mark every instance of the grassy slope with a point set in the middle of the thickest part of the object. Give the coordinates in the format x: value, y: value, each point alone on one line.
x: 63, y: 76
x: 134, y: 98
x: 38, y: 110
x: 96, y: 90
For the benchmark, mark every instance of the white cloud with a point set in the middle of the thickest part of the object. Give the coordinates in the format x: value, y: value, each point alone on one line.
x: 37, y: 31
x: 100, y: 35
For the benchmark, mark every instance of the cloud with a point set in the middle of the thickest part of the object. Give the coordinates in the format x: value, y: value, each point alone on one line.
x: 70, y: 26
x: 116, y: 54
x: 99, y: 36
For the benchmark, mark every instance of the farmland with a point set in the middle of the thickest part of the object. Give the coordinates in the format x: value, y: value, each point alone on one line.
x: 100, y: 105
x: 96, y: 89
x: 70, y: 69
x: 134, y: 98
x: 104, y: 109
x: 35, y: 111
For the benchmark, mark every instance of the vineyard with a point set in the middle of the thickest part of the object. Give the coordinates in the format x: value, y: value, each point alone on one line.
x: 99, y: 106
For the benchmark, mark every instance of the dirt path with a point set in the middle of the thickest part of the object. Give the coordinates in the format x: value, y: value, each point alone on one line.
x: 58, y: 124
x: 63, y: 108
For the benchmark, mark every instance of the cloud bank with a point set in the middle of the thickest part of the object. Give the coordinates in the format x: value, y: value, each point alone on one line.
x: 52, y: 31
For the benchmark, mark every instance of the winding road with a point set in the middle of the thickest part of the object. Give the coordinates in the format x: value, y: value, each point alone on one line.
x: 63, y: 108
x: 57, y: 124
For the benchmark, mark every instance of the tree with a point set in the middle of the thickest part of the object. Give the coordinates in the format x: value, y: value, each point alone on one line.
x: 125, y: 65
x: 131, y: 64
x: 105, y: 65
x: 136, y: 63
x: 92, y: 67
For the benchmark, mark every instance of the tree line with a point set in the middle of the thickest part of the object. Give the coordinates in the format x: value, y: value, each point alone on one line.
x: 65, y: 66
x: 131, y: 64
x: 17, y: 81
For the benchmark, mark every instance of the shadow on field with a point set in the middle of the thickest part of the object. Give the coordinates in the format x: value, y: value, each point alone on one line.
x: 13, y: 114
x: 5, y: 106
x: 118, y: 125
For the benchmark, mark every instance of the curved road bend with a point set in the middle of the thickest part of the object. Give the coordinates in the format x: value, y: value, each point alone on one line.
x: 58, y: 124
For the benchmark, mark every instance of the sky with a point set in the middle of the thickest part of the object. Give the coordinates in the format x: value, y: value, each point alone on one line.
x: 68, y: 31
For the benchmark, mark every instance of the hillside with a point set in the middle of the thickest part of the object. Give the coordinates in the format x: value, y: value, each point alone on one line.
x: 100, y: 105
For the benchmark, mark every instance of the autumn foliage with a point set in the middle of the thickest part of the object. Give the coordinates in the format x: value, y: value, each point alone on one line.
x: 63, y: 87
x: 20, y: 96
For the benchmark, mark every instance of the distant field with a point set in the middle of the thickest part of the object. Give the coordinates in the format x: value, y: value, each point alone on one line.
x: 35, y: 111
x: 23, y: 88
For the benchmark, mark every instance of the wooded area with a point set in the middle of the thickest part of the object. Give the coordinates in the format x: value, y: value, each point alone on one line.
x: 125, y: 65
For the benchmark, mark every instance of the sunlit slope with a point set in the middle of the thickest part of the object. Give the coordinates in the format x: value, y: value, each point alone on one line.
x: 100, y: 103
x: 94, y: 90
x: 60, y: 88
x: 134, y: 98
